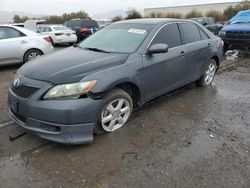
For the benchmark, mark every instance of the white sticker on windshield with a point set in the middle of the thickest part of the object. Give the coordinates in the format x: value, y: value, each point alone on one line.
x: 137, y: 31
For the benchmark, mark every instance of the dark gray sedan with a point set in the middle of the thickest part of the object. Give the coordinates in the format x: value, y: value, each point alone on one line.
x: 92, y: 87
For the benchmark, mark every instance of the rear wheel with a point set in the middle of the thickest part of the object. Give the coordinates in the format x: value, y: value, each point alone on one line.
x: 114, y: 113
x: 31, y: 54
x: 209, y: 74
x: 52, y: 42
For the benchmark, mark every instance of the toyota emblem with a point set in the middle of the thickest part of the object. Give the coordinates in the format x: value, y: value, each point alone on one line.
x: 16, y: 82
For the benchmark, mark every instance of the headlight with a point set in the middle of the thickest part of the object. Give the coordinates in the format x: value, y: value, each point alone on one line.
x: 222, y: 33
x: 69, y: 91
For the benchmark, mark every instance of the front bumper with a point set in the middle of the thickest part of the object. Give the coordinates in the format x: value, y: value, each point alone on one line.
x: 63, y: 121
x: 241, y: 43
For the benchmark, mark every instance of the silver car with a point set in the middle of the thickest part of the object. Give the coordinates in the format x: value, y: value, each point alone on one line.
x: 21, y: 45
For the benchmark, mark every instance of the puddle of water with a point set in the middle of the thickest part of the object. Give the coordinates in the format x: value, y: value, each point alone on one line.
x: 201, y: 146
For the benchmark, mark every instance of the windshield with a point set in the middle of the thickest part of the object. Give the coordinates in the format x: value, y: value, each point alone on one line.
x: 241, y: 17
x: 120, y: 38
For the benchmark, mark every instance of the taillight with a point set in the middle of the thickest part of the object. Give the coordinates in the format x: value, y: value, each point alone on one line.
x: 47, y: 39
x: 84, y: 29
x: 58, y: 34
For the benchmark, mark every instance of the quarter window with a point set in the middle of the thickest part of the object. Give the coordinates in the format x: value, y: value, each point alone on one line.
x: 169, y: 35
x: 203, y: 35
x: 190, y: 33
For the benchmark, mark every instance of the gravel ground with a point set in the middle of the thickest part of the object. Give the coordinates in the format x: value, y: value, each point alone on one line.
x: 193, y: 137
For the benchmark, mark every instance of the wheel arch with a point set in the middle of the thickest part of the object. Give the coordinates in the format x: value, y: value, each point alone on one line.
x: 217, y: 60
x: 132, y: 89
x: 29, y: 50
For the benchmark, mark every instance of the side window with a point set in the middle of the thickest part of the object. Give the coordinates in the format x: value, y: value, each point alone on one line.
x: 8, y: 32
x: 190, y: 33
x: 204, y: 36
x: 47, y: 29
x: 169, y: 35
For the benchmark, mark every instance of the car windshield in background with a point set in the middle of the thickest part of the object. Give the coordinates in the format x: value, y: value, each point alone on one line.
x: 124, y: 39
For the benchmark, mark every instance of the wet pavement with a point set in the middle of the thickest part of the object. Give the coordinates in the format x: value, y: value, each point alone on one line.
x: 193, y: 137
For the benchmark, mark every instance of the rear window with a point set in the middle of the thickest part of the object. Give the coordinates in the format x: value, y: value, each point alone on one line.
x: 89, y: 23
x: 82, y: 23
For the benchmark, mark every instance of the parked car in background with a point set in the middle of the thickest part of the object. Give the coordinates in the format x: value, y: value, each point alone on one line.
x: 59, y: 34
x: 82, y: 27
x: 209, y: 23
x: 236, y: 33
x: 93, y: 86
x: 21, y: 45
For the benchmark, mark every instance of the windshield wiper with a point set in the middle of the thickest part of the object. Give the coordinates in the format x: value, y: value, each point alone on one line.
x: 97, y: 50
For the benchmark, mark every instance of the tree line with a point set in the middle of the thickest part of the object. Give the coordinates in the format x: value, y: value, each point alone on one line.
x: 54, y: 19
x: 217, y: 15
x: 134, y: 14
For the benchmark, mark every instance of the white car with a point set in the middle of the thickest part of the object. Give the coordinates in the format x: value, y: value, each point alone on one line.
x: 59, y: 34
x: 21, y: 45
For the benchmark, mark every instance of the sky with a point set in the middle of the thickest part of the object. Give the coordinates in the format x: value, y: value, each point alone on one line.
x: 91, y: 6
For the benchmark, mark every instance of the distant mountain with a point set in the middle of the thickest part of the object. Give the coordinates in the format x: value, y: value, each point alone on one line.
x: 7, y: 17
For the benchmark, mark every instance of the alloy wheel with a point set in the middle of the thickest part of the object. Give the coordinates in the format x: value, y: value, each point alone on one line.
x: 116, y: 114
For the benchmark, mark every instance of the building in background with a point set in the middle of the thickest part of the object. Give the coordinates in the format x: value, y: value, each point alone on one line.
x: 186, y: 9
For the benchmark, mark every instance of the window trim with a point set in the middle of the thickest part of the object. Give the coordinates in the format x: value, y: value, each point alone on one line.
x: 198, y: 31
x: 21, y: 33
x: 178, y: 24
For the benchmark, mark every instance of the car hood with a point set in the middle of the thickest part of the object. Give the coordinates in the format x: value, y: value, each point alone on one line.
x: 70, y: 65
x: 236, y: 27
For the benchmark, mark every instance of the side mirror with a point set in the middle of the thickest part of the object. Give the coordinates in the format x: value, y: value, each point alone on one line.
x: 205, y: 23
x: 158, y: 48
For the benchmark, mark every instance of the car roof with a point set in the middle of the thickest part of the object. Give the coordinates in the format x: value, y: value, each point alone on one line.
x: 153, y: 21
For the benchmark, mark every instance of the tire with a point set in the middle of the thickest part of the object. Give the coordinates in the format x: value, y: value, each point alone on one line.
x: 31, y: 54
x: 208, y: 77
x: 71, y: 43
x: 119, y: 115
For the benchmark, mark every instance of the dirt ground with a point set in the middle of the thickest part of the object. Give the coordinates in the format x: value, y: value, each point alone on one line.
x: 193, y: 137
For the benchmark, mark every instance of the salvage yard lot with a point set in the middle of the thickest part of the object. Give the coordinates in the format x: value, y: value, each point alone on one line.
x: 193, y: 137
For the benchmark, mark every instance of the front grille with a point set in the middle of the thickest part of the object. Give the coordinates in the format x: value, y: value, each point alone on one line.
x: 24, y: 91
x: 238, y: 34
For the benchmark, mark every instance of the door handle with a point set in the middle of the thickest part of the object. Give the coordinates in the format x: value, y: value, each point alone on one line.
x: 183, y: 54
x: 23, y: 42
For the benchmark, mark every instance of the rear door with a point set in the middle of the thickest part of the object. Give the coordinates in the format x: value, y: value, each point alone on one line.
x: 164, y: 72
x: 11, y: 42
x: 198, y: 48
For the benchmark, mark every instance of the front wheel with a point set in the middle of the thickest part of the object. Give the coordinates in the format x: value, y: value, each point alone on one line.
x: 208, y: 77
x: 115, y: 112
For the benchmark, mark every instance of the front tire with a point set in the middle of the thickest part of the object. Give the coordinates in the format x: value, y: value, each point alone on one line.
x: 114, y: 113
x: 208, y: 77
